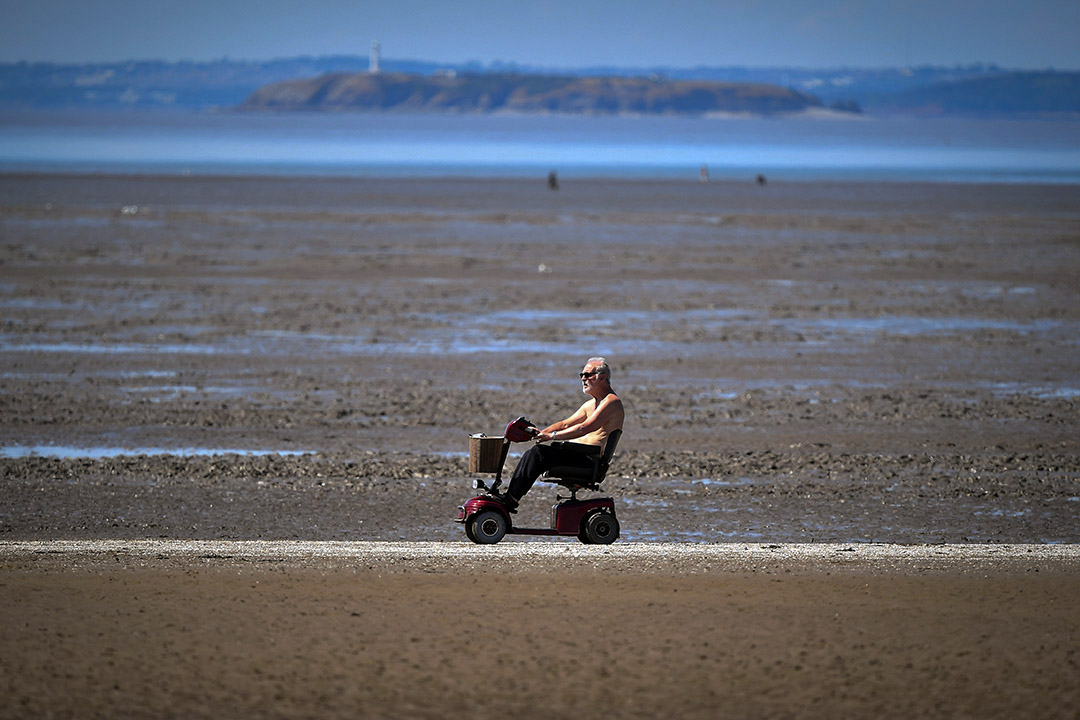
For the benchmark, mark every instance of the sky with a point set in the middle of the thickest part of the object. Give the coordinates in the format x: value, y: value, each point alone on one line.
x: 1015, y: 34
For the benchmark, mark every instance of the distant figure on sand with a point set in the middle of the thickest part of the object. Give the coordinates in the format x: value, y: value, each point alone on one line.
x: 592, y: 424
x: 760, y: 179
x: 553, y: 181
x: 703, y: 174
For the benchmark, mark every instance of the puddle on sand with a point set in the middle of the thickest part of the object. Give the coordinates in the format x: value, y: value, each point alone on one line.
x: 71, y: 452
x: 652, y: 534
x: 628, y: 332
x: 115, y: 348
x: 1040, y: 391
x: 107, y: 374
x: 161, y: 393
x: 912, y: 325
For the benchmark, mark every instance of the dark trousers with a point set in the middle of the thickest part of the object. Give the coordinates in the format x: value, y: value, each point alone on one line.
x: 540, y: 458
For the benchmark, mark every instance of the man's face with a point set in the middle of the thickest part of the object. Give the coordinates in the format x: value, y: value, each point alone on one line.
x: 589, y: 377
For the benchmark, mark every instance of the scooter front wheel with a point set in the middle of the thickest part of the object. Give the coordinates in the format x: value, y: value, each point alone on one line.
x: 487, y: 527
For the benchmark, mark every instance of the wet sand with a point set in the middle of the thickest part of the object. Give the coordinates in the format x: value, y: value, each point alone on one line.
x: 803, y: 363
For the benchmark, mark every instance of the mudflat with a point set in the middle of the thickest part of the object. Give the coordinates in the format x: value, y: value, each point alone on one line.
x: 825, y: 362
x: 813, y: 372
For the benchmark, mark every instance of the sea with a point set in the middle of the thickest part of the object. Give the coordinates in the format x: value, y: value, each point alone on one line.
x: 823, y: 146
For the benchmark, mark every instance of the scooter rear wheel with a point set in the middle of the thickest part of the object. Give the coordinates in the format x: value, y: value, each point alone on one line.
x: 487, y: 527
x: 600, y: 528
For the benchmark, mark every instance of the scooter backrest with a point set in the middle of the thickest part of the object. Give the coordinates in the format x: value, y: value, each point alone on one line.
x: 609, y: 452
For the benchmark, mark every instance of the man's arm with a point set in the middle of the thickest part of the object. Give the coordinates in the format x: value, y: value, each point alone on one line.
x: 581, y: 423
x: 574, y: 419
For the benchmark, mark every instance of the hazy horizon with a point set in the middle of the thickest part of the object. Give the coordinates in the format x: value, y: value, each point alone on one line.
x: 555, y: 34
x: 500, y: 64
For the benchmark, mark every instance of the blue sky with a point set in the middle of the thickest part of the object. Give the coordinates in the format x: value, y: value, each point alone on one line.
x: 1031, y: 34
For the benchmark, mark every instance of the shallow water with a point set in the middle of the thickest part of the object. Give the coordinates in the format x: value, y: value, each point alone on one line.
x: 953, y: 150
x: 68, y: 452
x: 614, y: 332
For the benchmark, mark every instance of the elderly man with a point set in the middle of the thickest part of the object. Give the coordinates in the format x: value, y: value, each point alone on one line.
x: 589, y: 428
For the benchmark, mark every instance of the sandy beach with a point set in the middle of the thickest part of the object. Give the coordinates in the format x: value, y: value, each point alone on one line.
x: 857, y: 401
x: 300, y: 629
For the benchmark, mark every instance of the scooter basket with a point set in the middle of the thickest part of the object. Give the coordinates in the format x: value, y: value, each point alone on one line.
x: 485, y: 454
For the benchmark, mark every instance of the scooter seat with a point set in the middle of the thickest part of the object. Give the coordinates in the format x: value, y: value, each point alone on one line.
x: 573, y: 475
x: 586, y: 477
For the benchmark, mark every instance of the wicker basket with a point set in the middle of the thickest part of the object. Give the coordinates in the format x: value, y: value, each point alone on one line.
x: 485, y: 454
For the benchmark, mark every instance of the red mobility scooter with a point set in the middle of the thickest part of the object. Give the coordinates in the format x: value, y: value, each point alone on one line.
x: 591, y: 520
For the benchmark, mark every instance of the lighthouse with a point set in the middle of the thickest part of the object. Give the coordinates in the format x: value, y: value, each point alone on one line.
x: 373, y: 59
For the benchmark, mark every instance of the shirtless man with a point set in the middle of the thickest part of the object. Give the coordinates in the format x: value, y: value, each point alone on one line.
x: 589, y: 428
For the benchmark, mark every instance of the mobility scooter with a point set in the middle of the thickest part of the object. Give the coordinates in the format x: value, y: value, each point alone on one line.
x: 487, y: 520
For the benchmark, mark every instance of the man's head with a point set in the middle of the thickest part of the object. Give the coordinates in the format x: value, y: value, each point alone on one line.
x: 596, y: 374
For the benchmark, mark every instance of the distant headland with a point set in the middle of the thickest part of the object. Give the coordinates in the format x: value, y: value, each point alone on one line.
x: 333, y: 82
x: 532, y: 94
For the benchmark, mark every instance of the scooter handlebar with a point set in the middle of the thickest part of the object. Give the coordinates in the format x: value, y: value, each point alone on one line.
x: 520, y: 430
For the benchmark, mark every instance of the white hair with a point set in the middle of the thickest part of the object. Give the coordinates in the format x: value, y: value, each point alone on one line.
x: 602, y: 368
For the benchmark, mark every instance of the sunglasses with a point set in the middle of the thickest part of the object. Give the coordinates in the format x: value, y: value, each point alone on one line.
x: 588, y: 374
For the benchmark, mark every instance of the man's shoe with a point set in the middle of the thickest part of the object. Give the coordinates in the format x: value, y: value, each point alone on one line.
x: 506, y: 499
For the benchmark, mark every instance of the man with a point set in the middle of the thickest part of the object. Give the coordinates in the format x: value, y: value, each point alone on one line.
x: 589, y: 428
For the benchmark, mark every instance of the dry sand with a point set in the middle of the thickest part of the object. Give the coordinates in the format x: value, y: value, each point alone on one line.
x: 809, y: 368
x: 255, y: 629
